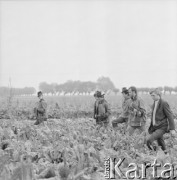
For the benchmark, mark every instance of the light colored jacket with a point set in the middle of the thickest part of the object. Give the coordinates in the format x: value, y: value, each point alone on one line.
x: 125, y: 105
x: 137, y: 118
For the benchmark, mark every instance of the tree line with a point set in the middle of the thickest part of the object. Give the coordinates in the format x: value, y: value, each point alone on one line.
x: 6, y: 91
x: 165, y: 89
x: 77, y: 87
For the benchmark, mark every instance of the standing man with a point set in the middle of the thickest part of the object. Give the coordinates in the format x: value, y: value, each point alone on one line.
x: 41, y: 109
x: 101, y: 109
x: 137, y: 112
x: 123, y: 118
x: 162, y: 120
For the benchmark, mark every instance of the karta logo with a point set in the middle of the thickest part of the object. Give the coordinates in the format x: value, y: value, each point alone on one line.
x: 135, y: 171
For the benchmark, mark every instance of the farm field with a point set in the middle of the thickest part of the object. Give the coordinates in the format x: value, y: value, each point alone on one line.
x: 69, y: 106
x: 69, y: 146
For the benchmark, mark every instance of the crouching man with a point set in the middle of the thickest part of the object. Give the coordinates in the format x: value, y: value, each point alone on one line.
x: 162, y: 121
x: 41, y: 110
x: 101, y: 110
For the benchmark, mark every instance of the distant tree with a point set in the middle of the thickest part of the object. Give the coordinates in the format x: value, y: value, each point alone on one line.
x: 171, y: 89
x: 165, y: 89
x: 116, y: 90
x: 105, y: 84
x: 143, y: 90
x: 45, y: 87
x: 81, y: 88
x: 67, y: 87
x: 160, y: 88
x: 53, y: 88
x: 59, y: 89
x: 73, y: 87
x: 175, y: 89
x: 90, y: 86
x: 77, y: 87
x: 17, y: 91
x: 168, y: 89
x: 29, y: 90
x: 4, y: 91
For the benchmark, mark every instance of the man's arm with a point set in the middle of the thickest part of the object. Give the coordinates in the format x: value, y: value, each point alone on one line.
x: 108, y: 110
x: 130, y: 107
x: 142, y: 108
x: 126, y: 107
x: 169, y: 115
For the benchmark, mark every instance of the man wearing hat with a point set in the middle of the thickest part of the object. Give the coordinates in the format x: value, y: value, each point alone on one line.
x: 41, y: 109
x: 101, y: 109
x: 123, y: 118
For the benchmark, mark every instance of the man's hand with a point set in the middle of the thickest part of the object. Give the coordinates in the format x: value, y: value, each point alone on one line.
x: 97, y: 116
x: 135, y: 110
x: 173, y: 133
x: 139, y: 113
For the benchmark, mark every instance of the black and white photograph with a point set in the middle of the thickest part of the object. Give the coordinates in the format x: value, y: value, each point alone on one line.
x: 88, y: 89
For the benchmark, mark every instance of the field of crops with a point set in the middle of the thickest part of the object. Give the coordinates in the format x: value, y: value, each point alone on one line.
x: 69, y: 146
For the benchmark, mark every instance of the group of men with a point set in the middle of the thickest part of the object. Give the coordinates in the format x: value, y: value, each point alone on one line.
x: 133, y: 115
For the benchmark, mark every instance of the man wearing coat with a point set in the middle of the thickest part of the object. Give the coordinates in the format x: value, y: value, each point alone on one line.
x: 41, y: 110
x: 162, y: 120
x: 123, y: 118
x: 137, y: 112
x: 101, y: 109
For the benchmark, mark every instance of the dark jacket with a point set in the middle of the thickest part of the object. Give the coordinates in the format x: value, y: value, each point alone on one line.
x: 163, y: 117
x: 101, y: 110
x: 41, y: 110
x: 138, y: 118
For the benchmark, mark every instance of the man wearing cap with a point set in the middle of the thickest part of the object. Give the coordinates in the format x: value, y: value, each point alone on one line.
x: 137, y: 112
x: 123, y: 118
x: 101, y: 109
x: 162, y: 120
x: 41, y: 109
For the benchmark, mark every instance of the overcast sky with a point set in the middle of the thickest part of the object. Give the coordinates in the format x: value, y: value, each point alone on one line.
x: 132, y: 42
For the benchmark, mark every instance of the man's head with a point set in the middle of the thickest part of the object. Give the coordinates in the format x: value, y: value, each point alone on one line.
x: 155, y: 94
x: 98, y: 95
x: 95, y: 96
x: 132, y: 91
x: 125, y: 92
x: 40, y: 95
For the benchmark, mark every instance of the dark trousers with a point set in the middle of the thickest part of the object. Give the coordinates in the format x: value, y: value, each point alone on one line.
x: 40, y: 120
x: 119, y: 120
x: 156, y: 134
x: 102, y: 122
